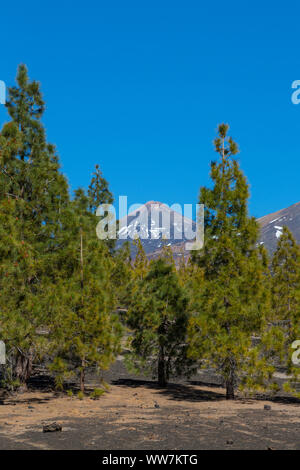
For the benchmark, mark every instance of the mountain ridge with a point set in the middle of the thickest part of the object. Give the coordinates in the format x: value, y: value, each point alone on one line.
x: 271, y: 225
x: 147, y: 222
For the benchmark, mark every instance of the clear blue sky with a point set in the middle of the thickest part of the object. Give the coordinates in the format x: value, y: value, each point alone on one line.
x: 140, y: 86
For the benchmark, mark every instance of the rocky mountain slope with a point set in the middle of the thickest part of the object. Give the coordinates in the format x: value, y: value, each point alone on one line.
x: 272, y: 224
x: 157, y: 224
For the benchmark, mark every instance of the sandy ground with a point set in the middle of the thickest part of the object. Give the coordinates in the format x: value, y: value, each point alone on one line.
x: 136, y: 414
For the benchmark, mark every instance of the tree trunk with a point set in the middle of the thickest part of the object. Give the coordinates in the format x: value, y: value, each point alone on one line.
x: 82, y: 370
x: 82, y: 377
x: 23, y: 368
x: 81, y: 259
x: 229, y: 390
x: 161, y: 370
x: 230, y: 376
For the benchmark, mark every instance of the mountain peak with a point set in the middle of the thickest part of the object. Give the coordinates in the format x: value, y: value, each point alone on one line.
x: 155, y: 223
x: 149, y: 203
x: 149, y: 223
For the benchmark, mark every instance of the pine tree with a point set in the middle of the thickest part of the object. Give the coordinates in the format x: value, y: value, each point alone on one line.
x: 99, y: 193
x: 122, y: 276
x: 286, y: 304
x: 21, y: 311
x: 86, y: 330
x: 231, y: 299
x: 158, y: 318
x: 286, y: 279
x: 167, y: 253
x: 140, y: 264
x: 30, y: 176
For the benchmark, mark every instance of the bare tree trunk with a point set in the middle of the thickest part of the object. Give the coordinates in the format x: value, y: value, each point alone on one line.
x: 23, y: 367
x: 82, y: 376
x: 161, y: 369
x: 230, y: 380
x: 229, y: 390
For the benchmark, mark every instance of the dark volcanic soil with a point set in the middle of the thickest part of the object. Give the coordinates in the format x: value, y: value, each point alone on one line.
x: 136, y: 414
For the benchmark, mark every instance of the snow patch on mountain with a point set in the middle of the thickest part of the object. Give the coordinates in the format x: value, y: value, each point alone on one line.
x: 156, y: 224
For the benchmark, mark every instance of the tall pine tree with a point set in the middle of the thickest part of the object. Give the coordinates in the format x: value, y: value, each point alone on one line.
x: 30, y: 177
x: 99, y: 193
x: 286, y: 279
x: 286, y: 305
x: 86, y: 331
x: 231, y: 298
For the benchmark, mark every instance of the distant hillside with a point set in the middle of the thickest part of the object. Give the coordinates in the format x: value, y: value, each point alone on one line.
x: 272, y: 224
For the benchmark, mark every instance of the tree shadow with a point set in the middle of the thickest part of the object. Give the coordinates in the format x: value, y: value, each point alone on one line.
x: 202, y: 383
x: 188, y: 392
x: 42, y: 382
x: 11, y: 401
x: 178, y: 392
x: 281, y: 399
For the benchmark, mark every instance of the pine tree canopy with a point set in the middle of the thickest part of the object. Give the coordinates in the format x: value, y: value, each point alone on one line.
x: 286, y: 304
x: 231, y: 298
x: 33, y: 194
x: 286, y: 278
